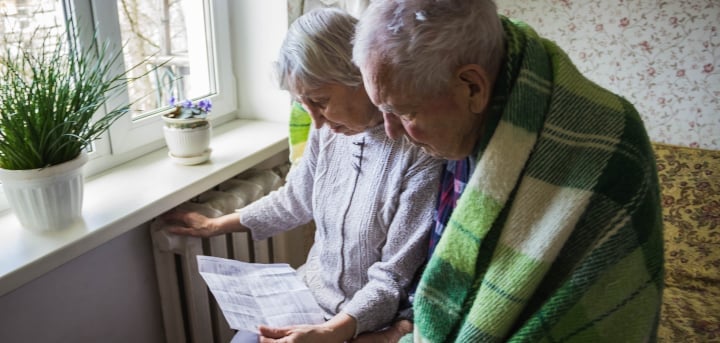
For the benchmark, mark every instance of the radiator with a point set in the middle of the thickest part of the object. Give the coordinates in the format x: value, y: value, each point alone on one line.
x: 189, y: 312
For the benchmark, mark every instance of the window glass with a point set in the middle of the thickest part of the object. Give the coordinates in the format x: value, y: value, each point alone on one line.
x: 174, y: 33
x: 21, y: 20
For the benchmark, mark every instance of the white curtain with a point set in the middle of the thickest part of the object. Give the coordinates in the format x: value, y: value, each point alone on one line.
x: 297, y: 7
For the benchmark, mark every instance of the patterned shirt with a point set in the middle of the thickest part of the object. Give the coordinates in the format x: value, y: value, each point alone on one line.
x: 453, y: 180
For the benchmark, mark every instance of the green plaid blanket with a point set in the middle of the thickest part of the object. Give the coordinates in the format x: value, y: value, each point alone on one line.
x: 558, y: 235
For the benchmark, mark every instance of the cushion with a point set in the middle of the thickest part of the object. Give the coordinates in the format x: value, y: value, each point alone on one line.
x: 690, y: 187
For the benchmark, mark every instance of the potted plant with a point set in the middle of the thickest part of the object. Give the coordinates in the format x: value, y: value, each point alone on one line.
x: 50, y: 94
x: 187, y: 131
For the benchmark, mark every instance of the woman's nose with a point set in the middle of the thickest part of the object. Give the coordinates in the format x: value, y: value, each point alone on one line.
x: 317, y: 117
x: 393, y: 126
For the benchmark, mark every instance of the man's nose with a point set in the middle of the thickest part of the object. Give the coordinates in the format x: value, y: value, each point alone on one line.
x: 393, y: 126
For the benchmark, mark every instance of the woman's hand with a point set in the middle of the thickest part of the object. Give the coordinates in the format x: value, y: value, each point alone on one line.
x: 339, y: 328
x: 195, y: 224
x: 297, y: 334
x: 392, y: 334
x: 189, y: 223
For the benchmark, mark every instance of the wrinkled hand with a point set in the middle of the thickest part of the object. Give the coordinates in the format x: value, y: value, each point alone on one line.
x: 297, y: 334
x: 392, y: 334
x: 189, y: 224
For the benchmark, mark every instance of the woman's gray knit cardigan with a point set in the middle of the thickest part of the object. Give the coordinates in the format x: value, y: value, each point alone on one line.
x: 373, y: 201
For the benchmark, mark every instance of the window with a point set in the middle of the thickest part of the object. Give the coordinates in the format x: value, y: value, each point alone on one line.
x: 188, y: 37
x: 23, y: 19
x: 166, y: 30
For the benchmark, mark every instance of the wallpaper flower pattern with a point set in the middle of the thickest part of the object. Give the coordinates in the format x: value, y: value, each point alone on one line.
x: 663, y: 56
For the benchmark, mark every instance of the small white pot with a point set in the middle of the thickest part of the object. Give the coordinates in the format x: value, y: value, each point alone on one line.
x: 46, y: 199
x: 188, y: 140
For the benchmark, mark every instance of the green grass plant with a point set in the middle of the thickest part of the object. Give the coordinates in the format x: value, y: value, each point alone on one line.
x: 50, y: 94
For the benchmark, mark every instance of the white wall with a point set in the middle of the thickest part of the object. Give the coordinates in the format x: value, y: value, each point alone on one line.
x: 107, y: 295
x: 259, y: 28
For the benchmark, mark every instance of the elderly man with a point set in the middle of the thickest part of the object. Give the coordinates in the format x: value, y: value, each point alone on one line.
x: 549, y: 225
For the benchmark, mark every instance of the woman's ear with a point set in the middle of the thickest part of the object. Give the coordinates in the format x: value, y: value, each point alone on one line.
x: 477, y: 85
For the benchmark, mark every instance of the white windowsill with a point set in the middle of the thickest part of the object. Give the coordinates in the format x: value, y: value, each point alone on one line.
x: 131, y: 194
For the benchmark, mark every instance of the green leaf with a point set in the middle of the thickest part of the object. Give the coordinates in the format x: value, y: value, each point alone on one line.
x: 50, y: 92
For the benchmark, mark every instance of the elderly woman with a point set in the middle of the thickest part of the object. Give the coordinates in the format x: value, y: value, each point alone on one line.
x: 371, y: 197
x: 551, y: 226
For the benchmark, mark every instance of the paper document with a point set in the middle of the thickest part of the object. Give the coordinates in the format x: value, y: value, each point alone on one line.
x: 252, y: 294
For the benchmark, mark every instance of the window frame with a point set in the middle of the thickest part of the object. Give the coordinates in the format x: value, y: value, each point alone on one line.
x: 127, y: 133
x: 128, y: 137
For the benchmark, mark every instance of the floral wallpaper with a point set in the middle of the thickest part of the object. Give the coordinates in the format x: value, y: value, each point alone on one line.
x: 663, y: 56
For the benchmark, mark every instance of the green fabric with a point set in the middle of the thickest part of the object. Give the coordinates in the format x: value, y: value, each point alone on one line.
x: 558, y: 235
x: 300, y: 122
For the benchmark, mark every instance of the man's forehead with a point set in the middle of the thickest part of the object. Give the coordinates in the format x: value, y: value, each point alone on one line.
x: 372, y: 87
x: 382, y: 90
x: 396, y: 101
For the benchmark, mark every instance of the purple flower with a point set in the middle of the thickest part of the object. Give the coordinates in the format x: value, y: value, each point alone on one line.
x: 204, y: 105
x: 188, y: 109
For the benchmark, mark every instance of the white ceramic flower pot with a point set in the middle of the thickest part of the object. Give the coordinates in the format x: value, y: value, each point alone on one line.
x: 188, y: 144
x: 46, y: 199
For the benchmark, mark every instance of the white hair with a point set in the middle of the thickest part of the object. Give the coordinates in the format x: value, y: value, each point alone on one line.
x: 422, y: 42
x: 317, y: 51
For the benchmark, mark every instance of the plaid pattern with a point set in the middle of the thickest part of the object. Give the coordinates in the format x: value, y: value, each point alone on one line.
x: 300, y: 122
x: 557, y: 236
x: 453, y: 180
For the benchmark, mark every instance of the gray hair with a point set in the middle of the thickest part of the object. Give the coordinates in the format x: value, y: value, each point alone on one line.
x: 317, y: 51
x: 423, y: 42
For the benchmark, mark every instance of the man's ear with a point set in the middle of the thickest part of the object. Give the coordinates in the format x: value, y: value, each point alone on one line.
x: 474, y: 79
